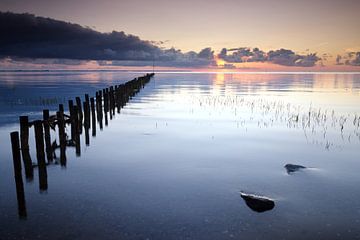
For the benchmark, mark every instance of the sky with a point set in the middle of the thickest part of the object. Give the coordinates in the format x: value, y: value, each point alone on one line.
x: 326, y: 27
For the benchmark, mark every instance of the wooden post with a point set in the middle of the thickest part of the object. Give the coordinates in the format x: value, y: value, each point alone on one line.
x: 112, y: 100
x: 87, y: 98
x: 62, y: 137
x: 99, y: 110
x: 106, y: 101
x: 77, y: 134
x: 93, y: 119
x: 72, y: 118
x: 87, y: 110
x: 24, y: 140
x: 86, y: 124
x: 79, y: 108
x: 46, y: 116
x: 20, y: 194
x: 118, y: 98
x: 109, y: 92
x: 106, y: 105
x: 85, y: 114
x: 40, y: 154
x: 61, y: 108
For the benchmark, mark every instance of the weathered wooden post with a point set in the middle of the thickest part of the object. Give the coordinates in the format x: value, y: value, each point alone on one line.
x: 72, y: 118
x: 99, y: 110
x: 106, y: 105
x: 61, y: 108
x: 86, y: 124
x: 121, y: 95
x: 46, y: 116
x: 20, y: 194
x: 87, y: 110
x: 87, y: 98
x: 109, y: 92
x: 78, y: 104
x: 24, y: 140
x: 100, y: 103
x: 62, y: 137
x: 116, y: 97
x: 80, y: 113
x: 77, y: 134
x: 93, y: 119
x: 112, y: 100
x: 85, y: 114
x: 40, y: 154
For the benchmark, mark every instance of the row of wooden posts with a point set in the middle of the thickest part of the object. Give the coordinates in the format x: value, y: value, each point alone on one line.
x: 106, y: 102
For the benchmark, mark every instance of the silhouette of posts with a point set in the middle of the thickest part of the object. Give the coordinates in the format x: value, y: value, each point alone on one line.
x: 107, y: 100
x: 24, y: 140
x: 40, y: 154
x: 20, y: 194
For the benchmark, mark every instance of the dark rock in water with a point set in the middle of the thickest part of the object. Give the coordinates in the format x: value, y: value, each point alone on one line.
x: 257, y: 203
x: 290, y: 168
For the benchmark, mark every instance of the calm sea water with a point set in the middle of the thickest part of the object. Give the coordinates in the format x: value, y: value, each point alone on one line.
x: 172, y: 164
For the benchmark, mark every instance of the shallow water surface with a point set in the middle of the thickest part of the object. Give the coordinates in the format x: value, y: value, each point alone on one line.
x: 173, y: 163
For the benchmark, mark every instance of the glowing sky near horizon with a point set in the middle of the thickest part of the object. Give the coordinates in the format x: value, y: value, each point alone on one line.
x: 323, y: 26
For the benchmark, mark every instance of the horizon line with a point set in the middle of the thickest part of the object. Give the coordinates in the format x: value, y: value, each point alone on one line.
x: 179, y: 71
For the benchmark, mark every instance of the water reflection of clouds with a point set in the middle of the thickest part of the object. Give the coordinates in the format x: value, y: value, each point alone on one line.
x: 317, y: 106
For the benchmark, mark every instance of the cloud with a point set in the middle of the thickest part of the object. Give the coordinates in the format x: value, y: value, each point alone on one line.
x: 289, y: 58
x: 25, y: 35
x: 283, y: 57
x: 350, y: 58
x: 354, y: 59
x: 239, y: 55
x: 171, y: 58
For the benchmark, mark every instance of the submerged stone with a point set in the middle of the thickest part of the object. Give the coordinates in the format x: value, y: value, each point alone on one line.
x: 257, y: 203
x: 290, y: 168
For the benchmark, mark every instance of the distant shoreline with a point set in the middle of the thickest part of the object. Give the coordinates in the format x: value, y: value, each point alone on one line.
x: 178, y: 71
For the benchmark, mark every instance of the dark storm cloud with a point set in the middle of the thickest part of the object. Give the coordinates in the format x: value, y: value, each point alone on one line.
x: 30, y: 37
x: 24, y: 35
x: 283, y: 57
